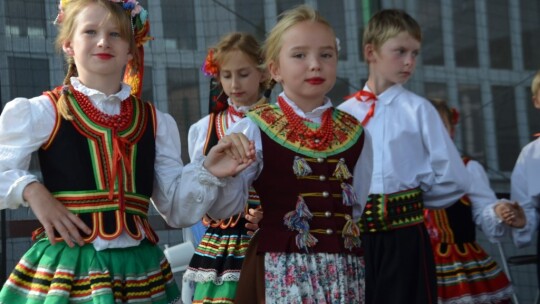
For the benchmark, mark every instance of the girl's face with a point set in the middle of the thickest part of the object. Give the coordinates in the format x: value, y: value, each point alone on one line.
x: 307, y: 62
x: 97, y: 47
x: 240, y: 78
x: 395, y: 60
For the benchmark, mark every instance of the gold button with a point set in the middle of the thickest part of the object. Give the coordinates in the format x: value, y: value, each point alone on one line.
x: 320, y: 160
x: 329, y: 231
x: 325, y: 194
x: 322, y: 178
x: 328, y: 214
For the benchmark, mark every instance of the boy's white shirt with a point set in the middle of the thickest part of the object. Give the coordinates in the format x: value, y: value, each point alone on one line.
x: 525, y: 188
x: 411, y: 148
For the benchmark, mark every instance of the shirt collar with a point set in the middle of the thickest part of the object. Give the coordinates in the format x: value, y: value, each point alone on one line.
x: 389, y: 94
x: 316, y: 113
x: 93, y: 94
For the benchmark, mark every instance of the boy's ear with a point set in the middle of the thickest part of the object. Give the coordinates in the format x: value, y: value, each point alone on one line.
x: 369, y: 52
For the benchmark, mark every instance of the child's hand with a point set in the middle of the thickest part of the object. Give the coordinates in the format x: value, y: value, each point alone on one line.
x: 231, y: 155
x: 53, y: 215
x: 254, y: 216
x: 511, y: 213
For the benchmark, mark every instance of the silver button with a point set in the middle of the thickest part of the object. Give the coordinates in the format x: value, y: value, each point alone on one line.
x: 328, y: 214
x: 322, y: 178
x: 329, y: 231
x: 317, y: 141
x: 325, y: 194
x: 320, y: 160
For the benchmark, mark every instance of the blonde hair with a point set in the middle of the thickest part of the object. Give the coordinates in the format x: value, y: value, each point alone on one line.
x: 535, y: 84
x: 66, y: 30
x: 288, y: 19
x: 388, y: 23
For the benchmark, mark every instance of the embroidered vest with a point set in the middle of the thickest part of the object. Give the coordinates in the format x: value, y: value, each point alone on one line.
x: 103, y: 176
x: 303, y: 191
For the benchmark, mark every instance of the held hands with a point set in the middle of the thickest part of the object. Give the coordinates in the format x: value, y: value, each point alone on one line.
x: 254, y: 216
x: 230, y: 156
x: 511, y: 213
x: 54, y: 216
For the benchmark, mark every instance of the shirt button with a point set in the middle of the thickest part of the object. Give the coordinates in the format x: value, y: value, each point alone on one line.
x: 325, y: 194
x: 322, y: 178
x: 329, y: 231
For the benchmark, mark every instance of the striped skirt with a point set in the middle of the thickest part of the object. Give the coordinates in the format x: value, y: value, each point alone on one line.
x: 60, y: 274
x: 466, y: 274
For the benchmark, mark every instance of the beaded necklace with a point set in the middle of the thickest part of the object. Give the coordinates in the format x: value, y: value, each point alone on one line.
x: 222, y: 124
x: 318, y: 139
x: 118, y: 121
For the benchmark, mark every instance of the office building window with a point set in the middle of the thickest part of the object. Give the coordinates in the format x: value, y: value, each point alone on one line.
x: 500, y: 48
x: 250, y: 18
x: 465, y: 38
x: 471, y: 121
x: 429, y: 18
x: 25, y: 18
x: 179, y: 24
x: 283, y: 5
x: 334, y: 13
x: 530, y: 27
x: 435, y: 90
x: 28, y: 77
x: 183, y: 101
x: 504, y: 109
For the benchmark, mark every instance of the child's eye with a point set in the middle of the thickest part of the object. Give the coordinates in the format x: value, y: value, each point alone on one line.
x: 298, y: 55
x: 90, y: 32
x: 115, y: 34
x: 327, y: 55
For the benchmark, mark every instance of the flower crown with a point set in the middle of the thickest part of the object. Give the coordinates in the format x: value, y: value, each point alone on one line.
x: 139, y: 18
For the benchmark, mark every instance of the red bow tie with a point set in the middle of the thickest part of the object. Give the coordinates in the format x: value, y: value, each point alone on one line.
x: 365, y: 96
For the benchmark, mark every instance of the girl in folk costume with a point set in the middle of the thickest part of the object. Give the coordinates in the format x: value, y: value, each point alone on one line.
x: 465, y: 273
x: 312, y: 172
x: 103, y: 153
x: 236, y: 63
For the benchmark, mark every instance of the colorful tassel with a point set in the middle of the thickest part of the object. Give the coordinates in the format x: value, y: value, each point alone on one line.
x: 351, y: 234
x: 342, y: 172
x: 301, y: 167
x: 304, y: 240
x: 349, y: 196
x: 298, y: 220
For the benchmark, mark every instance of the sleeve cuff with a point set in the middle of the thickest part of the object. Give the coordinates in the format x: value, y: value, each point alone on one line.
x: 15, y: 192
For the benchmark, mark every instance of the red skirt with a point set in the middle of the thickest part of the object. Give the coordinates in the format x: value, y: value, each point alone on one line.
x: 466, y: 274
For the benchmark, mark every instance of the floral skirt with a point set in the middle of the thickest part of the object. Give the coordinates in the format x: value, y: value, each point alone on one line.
x: 466, y: 274
x: 296, y: 278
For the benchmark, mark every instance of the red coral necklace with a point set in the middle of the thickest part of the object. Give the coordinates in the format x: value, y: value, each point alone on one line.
x: 118, y: 121
x: 318, y: 139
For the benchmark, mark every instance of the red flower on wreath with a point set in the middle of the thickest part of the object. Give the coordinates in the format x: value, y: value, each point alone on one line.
x: 210, y: 68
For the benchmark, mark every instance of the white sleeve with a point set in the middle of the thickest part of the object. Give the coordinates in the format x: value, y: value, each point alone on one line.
x: 25, y: 124
x: 197, y: 137
x: 232, y: 198
x: 451, y: 179
x: 362, y: 175
x: 521, y: 193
